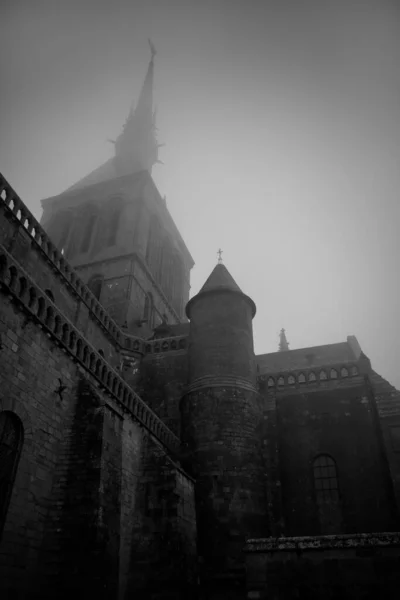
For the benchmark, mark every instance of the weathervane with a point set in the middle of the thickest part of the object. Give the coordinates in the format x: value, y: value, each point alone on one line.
x: 219, y: 256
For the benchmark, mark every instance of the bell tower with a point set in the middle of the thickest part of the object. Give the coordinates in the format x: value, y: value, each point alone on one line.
x: 115, y: 229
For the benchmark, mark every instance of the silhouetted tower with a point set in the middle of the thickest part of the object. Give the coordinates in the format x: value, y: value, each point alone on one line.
x: 221, y: 414
x: 283, y: 343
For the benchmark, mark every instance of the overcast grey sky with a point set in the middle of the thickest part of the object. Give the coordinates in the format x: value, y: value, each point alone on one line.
x: 282, y: 131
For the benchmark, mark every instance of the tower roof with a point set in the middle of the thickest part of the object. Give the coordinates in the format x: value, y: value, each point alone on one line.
x: 220, y: 280
x: 283, y: 343
x: 136, y: 148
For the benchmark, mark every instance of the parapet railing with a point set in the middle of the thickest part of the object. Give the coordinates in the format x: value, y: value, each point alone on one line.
x: 166, y: 344
x: 348, y: 540
x: 38, y: 305
x: 14, y: 203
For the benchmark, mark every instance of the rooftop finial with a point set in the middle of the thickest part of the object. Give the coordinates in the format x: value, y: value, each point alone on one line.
x: 219, y: 256
x: 283, y: 343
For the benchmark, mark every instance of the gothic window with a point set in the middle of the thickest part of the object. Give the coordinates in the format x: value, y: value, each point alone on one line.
x: 323, y: 376
x: 354, y: 371
x: 344, y: 372
x: 95, y: 285
x: 178, y: 282
x: 281, y: 381
x: 115, y: 208
x: 312, y: 377
x: 148, y: 310
x: 67, y: 217
x: 333, y: 374
x: 59, y: 228
x: 291, y: 380
x: 302, y: 378
x: 167, y: 274
x: 87, y: 232
x: 325, y: 479
x: 271, y: 382
x: 11, y: 440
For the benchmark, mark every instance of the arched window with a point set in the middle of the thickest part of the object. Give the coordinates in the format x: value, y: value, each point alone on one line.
x: 354, y: 371
x: 323, y: 376
x: 333, y: 374
x: 115, y: 209
x: 302, y: 378
x: 66, y: 226
x: 271, y: 382
x: 95, y: 285
x: 178, y: 279
x: 327, y: 494
x: 148, y: 311
x: 325, y: 479
x: 154, y: 251
x: 281, y: 381
x: 167, y: 274
x: 312, y: 377
x: 344, y: 372
x: 90, y: 220
x: 59, y: 228
x: 11, y: 440
x: 291, y: 380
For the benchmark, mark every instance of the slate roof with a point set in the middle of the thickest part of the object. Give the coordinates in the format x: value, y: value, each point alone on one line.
x: 306, y: 358
x: 220, y: 279
x: 105, y: 172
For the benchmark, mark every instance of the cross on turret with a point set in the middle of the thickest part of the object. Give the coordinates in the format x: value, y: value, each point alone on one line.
x: 219, y: 256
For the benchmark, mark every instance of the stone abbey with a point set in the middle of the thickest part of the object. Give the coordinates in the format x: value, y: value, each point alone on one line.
x: 145, y: 450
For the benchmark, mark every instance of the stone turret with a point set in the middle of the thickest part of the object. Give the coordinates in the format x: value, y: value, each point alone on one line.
x: 221, y: 414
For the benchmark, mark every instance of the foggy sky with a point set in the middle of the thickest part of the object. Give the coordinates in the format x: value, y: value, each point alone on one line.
x: 282, y: 131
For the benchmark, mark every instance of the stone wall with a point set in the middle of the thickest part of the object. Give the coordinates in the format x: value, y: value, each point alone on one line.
x: 71, y: 523
x: 335, y: 418
x: 352, y: 567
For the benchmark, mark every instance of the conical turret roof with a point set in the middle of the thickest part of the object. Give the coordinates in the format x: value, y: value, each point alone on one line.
x: 220, y: 280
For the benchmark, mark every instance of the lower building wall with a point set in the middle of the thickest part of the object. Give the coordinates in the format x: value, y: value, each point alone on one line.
x: 70, y: 521
x: 365, y: 566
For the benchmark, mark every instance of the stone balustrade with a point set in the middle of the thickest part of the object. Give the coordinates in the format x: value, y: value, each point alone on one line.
x: 17, y: 283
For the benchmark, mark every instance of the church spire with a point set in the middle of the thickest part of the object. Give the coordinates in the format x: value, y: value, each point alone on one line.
x: 283, y: 343
x: 136, y: 148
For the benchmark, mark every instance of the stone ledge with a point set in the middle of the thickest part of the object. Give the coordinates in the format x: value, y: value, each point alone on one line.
x: 325, y: 542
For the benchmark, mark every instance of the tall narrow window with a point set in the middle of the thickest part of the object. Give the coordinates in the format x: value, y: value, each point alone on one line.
x: 11, y: 440
x: 148, y: 311
x: 115, y: 207
x: 87, y: 232
x: 327, y: 494
x: 67, y: 219
x: 178, y: 278
x: 95, y: 285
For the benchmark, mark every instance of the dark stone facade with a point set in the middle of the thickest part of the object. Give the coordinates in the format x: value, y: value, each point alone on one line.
x: 150, y: 455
